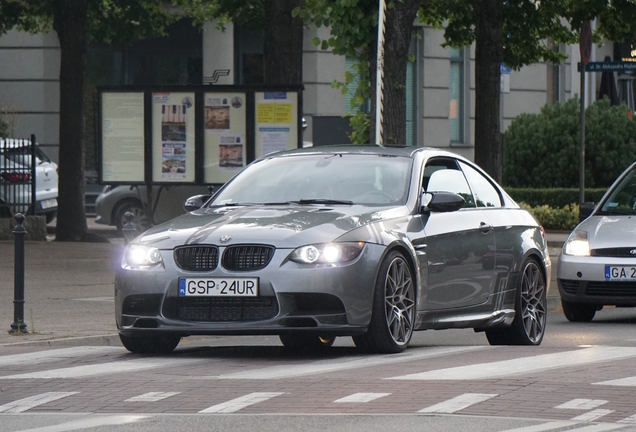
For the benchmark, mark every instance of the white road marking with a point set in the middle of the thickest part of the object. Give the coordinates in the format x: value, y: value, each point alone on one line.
x: 525, y: 365
x: 38, y: 357
x: 582, y: 404
x: 629, y: 420
x: 100, y: 299
x: 26, y: 404
x: 339, y: 364
x: 458, y: 403
x: 597, y: 428
x: 152, y: 397
x: 593, y: 415
x: 361, y: 397
x: 239, y: 403
x: 542, y: 427
x: 625, y: 382
x: 86, y: 423
x: 105, y: 368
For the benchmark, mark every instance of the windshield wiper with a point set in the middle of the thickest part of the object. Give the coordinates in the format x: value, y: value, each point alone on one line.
x: 322, y: 201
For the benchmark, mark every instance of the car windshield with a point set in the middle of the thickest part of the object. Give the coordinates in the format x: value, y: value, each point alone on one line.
x: 331, y: 179
x: 622, y: 199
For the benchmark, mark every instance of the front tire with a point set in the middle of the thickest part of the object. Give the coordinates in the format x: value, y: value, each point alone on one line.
x: 140, y: 219
x: 578, y: 312
x: 150, y: 344
x: 393, y: 314
x: 528, y: 327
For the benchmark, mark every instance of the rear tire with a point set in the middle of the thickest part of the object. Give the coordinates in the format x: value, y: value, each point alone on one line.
x: 578, y: 312
x: 528, y: 326
x: 393, y: 317
x: 307, y: 342
x: 150, y: 344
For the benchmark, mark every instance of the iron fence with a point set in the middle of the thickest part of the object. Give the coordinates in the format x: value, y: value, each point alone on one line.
x: 17, y: 176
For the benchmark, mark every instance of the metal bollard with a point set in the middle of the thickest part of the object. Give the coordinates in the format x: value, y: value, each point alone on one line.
x: 19, y: 232
x: 129, y: 227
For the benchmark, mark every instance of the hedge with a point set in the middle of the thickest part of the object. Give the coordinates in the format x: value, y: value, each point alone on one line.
x: 555, y: 197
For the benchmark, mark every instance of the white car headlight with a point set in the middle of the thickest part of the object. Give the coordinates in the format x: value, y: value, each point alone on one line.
x: 329, y: 253
x: 577, y: 244
x: 140, y: 257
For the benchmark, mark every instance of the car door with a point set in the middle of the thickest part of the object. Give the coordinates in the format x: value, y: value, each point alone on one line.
x: 456, y: 243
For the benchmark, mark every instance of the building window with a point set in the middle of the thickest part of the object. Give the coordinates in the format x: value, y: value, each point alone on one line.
x: 350, y: 68
x: 456, y: 90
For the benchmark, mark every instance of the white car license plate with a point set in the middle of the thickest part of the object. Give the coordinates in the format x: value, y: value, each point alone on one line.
x: 218, y: 287
x: 620, y: 273
x: 49, y: 203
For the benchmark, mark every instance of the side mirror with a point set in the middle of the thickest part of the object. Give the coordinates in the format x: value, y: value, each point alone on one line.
x: 585, y: 210
x: 195, y: 202
x: 441, y: 202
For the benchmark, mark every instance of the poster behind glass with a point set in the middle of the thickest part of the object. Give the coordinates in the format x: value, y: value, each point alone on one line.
x: 173, y: 116
x: 276, y: 121
x: 224, y: 135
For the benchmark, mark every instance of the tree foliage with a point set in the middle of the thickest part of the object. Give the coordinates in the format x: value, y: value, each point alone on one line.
x: 542, y: 149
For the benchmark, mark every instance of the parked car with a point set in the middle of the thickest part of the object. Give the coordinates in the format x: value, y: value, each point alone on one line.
x: 597, y: 264
x: 167, y: 202
x: 15, y: 181
x: 363, y: 241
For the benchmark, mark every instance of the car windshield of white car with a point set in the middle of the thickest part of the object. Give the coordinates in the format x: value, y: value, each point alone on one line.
x: 622, y: 199
x: 329, y: 179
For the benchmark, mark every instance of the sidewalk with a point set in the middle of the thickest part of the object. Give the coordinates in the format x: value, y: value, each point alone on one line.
x: 69, y: 290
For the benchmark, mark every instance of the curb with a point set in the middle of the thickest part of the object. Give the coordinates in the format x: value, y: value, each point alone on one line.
x: 99, y: 340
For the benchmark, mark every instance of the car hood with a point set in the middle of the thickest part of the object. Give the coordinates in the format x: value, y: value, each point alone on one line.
x: 281, y: 226
x: 610, y: 231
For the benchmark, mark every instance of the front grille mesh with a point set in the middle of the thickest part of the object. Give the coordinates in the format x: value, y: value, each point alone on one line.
x: 623, y: 252
x: 197, y: 258
x: 616, y: 289
x: 247, y: 257
x: 569, y: 286
x: 211, y: 309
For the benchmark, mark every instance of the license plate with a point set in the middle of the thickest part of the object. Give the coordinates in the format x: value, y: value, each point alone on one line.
x: 620, y: 273
x: 218, y: 287
x: 49, y: 203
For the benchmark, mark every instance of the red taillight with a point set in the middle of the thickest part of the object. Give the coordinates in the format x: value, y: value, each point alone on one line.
x: 16, y: 177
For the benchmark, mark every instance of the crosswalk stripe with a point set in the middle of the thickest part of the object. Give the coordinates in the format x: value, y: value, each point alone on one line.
x: 152, y: 397
x: 582, y: 404
x: 593, y: 415
x: 525, y: 365
x: 624, y: 382
x: 91, y: 422
x: 630, y: 420
x: 361, y: 397
x: 339, y: 364
x: 458, y: 403
x: 26, y: 404
x: 601, y: 427
x: 543, y: 427
x: 38, y: 357
x: 105, y: 368
x: 239, y: 403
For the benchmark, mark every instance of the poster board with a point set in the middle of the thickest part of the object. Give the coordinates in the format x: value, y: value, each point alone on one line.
x: 196, y: 135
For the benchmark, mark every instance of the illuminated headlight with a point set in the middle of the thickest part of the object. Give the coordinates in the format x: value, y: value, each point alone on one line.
x: 330, y: 253
x: 139, y: 257
x: 577, y: 244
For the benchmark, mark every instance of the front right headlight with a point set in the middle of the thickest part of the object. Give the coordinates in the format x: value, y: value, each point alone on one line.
x: 577, y: 244
x: 329, y: 253
x: 140, y: 257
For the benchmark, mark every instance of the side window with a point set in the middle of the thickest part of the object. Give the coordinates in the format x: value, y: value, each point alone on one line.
x: 486, y: 195
x: 445, y: 175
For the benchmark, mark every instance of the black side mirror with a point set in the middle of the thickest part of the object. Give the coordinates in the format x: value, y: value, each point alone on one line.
x: 441, y: 202
x: 195, y: 202
x: 585, y: 210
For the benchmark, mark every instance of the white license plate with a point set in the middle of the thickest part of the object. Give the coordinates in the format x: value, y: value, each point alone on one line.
x: 218, y: 287
x: 620, y: 273
x: 49, y: 203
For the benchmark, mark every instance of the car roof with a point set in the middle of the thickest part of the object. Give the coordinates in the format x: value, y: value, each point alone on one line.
x: 406, y: 151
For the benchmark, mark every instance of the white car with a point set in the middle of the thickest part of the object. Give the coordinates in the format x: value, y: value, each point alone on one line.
x: 597, y: 265
x: 15, y: 180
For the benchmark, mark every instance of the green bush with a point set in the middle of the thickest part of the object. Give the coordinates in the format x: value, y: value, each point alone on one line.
x: 555, y: 197
x: 542, y: 150
x: 561, y: 219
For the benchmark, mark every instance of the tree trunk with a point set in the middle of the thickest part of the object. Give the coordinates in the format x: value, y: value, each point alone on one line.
x: 70, y: 23
x: 488, y: 58
x: 283, y: 49
x: 398, y: 31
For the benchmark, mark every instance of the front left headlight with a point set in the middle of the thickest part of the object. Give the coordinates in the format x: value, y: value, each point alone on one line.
x: 328, y: 253
x: 577, y: 244
x: 140, y: 257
